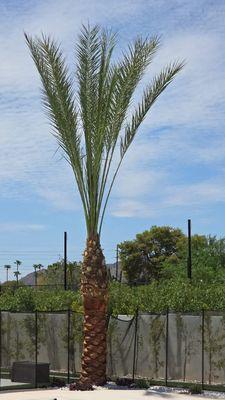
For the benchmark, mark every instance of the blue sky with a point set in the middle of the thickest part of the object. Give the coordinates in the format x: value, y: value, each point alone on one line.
x: 175, y: 170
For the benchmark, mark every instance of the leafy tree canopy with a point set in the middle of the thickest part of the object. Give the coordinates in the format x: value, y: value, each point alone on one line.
x: 142, y: 258
x: 54, y: 274
x: 162, y: 252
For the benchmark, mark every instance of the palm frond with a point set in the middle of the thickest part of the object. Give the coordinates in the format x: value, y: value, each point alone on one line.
x: 128, y: 75
x: 124, y: 80
x: 59, y: 103
x: 158, y: 85
x: 105, y: 93
x: 94, y: 52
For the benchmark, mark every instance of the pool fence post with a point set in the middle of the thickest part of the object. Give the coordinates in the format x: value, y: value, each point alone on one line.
x: 203, y: 347
x: 117, y: 261
x: 36, y: 347
x: 65, y: 260
x: 0, y: 348
x: 135, y: 345
x: 167, y: 346
x: 189, y: 260
x: 68, y: 345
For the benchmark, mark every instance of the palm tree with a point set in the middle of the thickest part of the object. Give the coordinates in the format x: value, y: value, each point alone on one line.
x: 7, y: 267
x: 18, y: 263
x: 91, y: 125
x: 36, y: 267
x: 16, y: 274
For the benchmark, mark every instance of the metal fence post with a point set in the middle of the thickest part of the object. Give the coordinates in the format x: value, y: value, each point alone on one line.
x: 65, y: 260
x: 135, y: 344
x: 36, y: 346
x: 68, y: 346
x: 167, y: 346
x: 117, y: 261
x: 203, y: 345
x: 189, y: 260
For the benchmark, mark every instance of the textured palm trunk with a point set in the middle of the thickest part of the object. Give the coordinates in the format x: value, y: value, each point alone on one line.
x: 94, y: 289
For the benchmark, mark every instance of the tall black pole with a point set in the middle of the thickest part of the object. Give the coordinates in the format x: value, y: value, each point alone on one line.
x: 135, y: 345
x: 65, y: 260
x: 189, y: 261
x: 117, y: 261
x: 0, y: 346
x: 167, y: 347
x: 203, y: 348
x: 68, y: 346
x: 36, y: 347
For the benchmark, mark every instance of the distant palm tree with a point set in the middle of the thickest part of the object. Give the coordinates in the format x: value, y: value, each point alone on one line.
x: 92, y: 126
x: 72, y: 268
x: 18, y: 263
x: 7, y: 267
x: 16, y: 274
x: 36, y: 267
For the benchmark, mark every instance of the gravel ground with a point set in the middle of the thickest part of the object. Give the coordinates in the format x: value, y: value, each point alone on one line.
x: 111, y: 392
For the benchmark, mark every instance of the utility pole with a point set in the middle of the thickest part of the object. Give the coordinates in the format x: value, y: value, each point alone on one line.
x: 189, y: 260
x: 65, y: 260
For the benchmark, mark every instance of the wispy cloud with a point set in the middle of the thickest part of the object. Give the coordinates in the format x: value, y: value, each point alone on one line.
x: 127, y: 208
x: 20, y: 227
x: 206, y: 192
x: 184, y: 128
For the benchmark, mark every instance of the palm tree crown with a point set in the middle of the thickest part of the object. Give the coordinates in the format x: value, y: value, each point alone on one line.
x: 37, y: 266
x: 18, y: 263
x: 90, y: 122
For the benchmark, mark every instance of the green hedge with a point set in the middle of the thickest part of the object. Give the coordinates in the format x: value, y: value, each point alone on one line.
x: 179, y: 295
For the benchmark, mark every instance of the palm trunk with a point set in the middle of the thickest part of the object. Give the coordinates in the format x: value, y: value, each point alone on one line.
x: 94, y: 289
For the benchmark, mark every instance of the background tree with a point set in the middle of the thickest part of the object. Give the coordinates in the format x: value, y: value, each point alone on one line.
x: 89, y: 124
x: 143, y: 259
x: 18, y: 263
x: 7, y: 267
x: 161, y: 253
x: 37, y: 267
x: 208, y: 260
x: 11, y: 286
x: 54, y: 274
x: 16, y: 274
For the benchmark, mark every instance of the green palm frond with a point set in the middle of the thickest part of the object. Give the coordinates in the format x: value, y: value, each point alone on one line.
x: 59, y: 103
x: 126, y: 77
x: 94, y: 51
x: 158, y: 85
x: 89, y: 129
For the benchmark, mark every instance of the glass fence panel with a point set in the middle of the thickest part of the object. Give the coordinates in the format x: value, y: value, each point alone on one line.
x: 18, y: 339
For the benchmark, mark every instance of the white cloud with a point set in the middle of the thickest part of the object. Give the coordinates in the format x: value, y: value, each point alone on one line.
x: 171, y: 197
x: 205, y: 192
x: 188, y: 110
x: 133, y: 183
x: 196, y: 98
x: 20, y: 227
x: 132, y: 208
